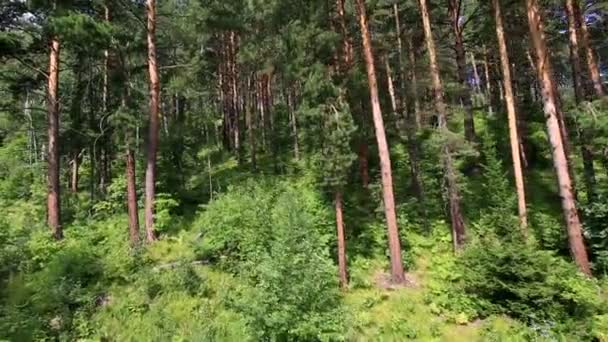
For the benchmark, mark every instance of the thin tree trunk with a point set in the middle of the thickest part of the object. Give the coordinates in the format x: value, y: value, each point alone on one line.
x: 250, y: 120
x: 391, y: 86
x: 489, y: 89
x: 342, y: 268
x: 347, y: 45
x: 132, y: 197
x: 461, y: 64
x: 385, y: 161
x: 153, y: 135
x: 575, y: 58
x: 414, y: 81
x: 291, y: 108
x: 74, y: 174
x: 402, y: 107
x: 476, y: 74
x: 560, y: 161
x: 53, y: 196
x: 512, y: 117
x: 458, y: 227
x: 592, y: 63
x: 579, y: 94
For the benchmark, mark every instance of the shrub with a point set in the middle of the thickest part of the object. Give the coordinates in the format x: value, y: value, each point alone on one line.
x: 276, y: 236
x: 535, y: 286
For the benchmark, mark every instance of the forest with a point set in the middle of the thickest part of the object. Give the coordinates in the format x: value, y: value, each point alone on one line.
x: 304, y: 170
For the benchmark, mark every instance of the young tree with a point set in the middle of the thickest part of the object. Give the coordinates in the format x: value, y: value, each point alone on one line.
x: 153, y: 135
x: 457, y: 222
x: 385, y: 160
x: 550, y: 100
x: 512, y: 116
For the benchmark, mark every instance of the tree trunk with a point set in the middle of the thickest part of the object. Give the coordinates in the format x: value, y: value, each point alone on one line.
x: 579, y: 94
x: 592, y: 64
x: 341, y: 241
x: 250, y: 119
x: 458, y: 227
x: 414, y: 81
x: 560, y: 161
x: 575, y: 58
x: 293, y: 120
x: 512, y: 117
x: 402, y: 107
x: 461, y: 64
x: 53, y: 196
x: 347, y: 45
x: 385, y: 161
x: 153, y: 135
x: 132, y: 198
x: 74, y: 177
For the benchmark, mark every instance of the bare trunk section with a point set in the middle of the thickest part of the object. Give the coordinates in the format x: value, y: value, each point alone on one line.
x: 461, y: 64
x: 53, y: 195
x: 153, y: 134
x: 592, y: 64
x: 383, y: 151
x: 560, y: 161
x: 458, y: 227
x: 342, y: 268
x: 512, y: 117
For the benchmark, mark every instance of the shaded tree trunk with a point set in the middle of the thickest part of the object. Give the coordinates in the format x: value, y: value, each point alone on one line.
x: 153, y: 134
x: 53, y: 195
x: 560, y: 161
x: 385, y: 162
x: 512, y: 117
x: 457, y: 222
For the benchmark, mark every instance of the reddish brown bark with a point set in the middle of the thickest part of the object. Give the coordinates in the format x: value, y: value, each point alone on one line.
x: 342, y: 268
x: 153, y: 134
x: 383, y: 151
x: 458, y: 227
x: 53, y: 195
x: 512, y: 117
x: 560, y: 161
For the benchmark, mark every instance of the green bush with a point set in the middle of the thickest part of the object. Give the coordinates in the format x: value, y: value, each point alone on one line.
x: 534, y: 286
x: 277, y: 236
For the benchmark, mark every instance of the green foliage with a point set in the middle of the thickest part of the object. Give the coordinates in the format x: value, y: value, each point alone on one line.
x: 275, y: 235
x: 513, y: 278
